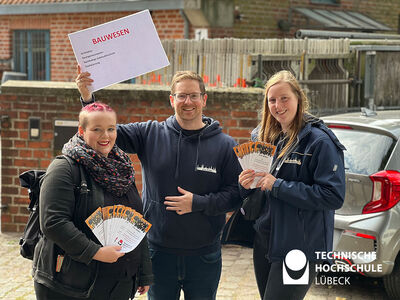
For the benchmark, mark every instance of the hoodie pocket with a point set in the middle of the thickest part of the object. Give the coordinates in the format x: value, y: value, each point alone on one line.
x: 154, y: 212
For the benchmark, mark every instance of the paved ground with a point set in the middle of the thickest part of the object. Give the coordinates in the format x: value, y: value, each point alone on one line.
x: 237, y: 281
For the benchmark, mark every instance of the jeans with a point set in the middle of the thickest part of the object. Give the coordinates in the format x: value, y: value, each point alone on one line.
x: 269, y: 275
x: 197, y: 276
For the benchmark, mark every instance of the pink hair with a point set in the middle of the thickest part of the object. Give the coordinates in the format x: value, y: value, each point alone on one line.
x: 97, y: 106
x: 92, y: 107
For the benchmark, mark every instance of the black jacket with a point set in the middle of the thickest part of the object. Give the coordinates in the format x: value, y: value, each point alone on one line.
x: 310, y: 185
x: 65, y: 233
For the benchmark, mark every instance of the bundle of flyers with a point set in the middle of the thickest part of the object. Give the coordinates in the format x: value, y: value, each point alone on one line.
x: 118, y: 225
x: 256, y: 156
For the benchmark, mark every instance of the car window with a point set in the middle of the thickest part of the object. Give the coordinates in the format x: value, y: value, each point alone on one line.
x: 366, y: 152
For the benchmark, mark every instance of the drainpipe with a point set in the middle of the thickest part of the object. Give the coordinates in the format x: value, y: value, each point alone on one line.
x: 186, y: 24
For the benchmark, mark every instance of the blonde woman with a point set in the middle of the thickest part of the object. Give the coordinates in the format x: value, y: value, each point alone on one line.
x: 304, y: 187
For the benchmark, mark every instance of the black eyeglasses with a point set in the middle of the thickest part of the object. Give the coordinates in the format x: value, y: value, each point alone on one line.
x: 194, y: 97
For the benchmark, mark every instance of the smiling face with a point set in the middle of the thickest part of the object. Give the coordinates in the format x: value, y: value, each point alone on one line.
x: 282, y: 104
x: 100, y: 131
x: 188, y: 112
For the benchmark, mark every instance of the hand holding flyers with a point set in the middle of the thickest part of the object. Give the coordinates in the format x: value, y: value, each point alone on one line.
x: 256, y: 156
x: 118, y: 225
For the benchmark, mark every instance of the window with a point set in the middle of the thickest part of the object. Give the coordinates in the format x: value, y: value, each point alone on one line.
x: 31, y: 53
x: 366, y: 152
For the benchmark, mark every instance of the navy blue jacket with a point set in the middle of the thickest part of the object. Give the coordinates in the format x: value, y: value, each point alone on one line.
x: 204, y: 164
x: 310, y: 186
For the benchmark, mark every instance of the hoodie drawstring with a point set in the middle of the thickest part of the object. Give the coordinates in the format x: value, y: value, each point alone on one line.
x: 197, y: 152
x: 178, y: 154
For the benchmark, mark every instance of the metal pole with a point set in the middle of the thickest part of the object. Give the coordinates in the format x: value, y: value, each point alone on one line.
x: 303, y: 33
x: 326, y: 81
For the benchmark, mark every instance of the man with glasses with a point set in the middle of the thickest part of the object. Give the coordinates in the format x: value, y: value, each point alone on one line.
x: 190, y: 175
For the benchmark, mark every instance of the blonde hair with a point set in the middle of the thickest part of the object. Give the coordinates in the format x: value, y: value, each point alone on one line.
x: 270, y: 128
x: 187, y: 75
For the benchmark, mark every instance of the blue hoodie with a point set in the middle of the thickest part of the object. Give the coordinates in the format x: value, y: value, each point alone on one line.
x: 203, y: 164
x: 310, y: 186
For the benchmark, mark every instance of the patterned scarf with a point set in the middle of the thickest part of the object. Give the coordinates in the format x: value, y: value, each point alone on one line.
x: 114, y: 172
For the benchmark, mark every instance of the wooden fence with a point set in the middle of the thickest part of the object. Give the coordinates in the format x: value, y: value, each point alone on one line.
x: 234, y: 62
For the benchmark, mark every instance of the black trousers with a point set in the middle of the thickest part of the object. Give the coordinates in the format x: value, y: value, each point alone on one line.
x: 269, y: 275
x: 105, y: 288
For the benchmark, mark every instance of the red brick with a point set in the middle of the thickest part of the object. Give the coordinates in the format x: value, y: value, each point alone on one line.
x: 41, y: 154
x: 244, y: 114
x: 44, y: 163
x: 229, y: 123
x: 9, y: 134
x: 6, y: 180
x: 6, y: 143
x: 25, y: 153
x: 248, y: 123
x: 13, y: 209
x: 20, y: 144
x: 47, y: 126
x: 9, y: 171
x: 21, y: 219
x: 28, y: 106
x: 24, y: 114
x: 21, y: 200
x: 6, y: 200
x: 21, y: 124
x: 40, y: 145
x: 7, y: 162
x: 9, y: 190
x: 6, y: 218
x: 242, y: 133
x: 26, y: 163
x: 47, y: 135
x: 23, y: 135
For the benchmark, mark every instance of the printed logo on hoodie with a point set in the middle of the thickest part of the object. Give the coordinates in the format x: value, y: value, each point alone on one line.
x: 206, y: 169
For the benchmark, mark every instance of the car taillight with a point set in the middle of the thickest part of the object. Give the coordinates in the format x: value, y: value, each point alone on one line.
x: 340, y: 126
x: 385, y: 192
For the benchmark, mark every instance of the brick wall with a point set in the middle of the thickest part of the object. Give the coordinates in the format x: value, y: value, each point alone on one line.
x: 236, y: 109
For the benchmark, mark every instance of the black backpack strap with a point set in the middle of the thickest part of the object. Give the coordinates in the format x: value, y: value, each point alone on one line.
x: 80, y: 187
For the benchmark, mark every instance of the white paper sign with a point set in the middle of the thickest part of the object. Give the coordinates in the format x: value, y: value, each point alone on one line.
x: 119, y: 50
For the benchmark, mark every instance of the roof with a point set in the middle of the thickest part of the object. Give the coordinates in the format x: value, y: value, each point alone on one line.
x: 24, y: 7
x: 342, y: 20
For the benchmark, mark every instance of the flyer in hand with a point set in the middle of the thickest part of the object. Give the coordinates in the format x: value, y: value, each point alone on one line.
x: 118, y: 225
x: 256, y: 156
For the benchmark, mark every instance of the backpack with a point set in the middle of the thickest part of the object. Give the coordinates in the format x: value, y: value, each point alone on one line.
x: 32, y: 180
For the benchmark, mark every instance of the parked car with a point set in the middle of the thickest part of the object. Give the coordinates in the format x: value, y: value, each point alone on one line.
x: 369, y: 220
